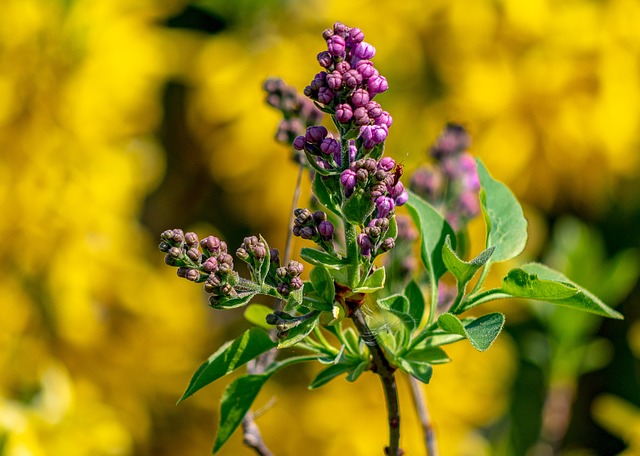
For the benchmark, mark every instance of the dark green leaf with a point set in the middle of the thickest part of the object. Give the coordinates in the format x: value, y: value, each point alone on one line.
x: 396, y: 302
x: 433, y: 230
x: 320, y: 258
x: 359, y: 369
x: 416, y: 301
x: 374, y: 282
x: 294, y: 299
x: 299, y: 332
x: 230, y: 356
x: 232, y: 302
x: 481, y: 332
x: 327, y: 190
x: 323, y: 284
x: 462, y: 270
x: 580, y: 300
x: 425, y: 353
x: 263, y: 269
x: 257, y: 314
x: 419, y: 370
x: 358, y: 207
x: 506, y: 225
x: 329, y: 373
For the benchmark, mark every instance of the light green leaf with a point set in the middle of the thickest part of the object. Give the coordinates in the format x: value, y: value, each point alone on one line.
x: 521, y: 284
x: 506, y: 225
x: 320, y: 258
x: 416, y: 301
x: 374, y: 282
x: 329, y: 373
x: 424, y: 353
x: 419, y: 370
x: 580, y: 300
x: 327, y: 190
x: 323, y: 284
x: 462, y: 270
x: 358, y: 207
x: 231, y: 302
x: 481, y: 332
x: 299, y: 332
x: 257, y: 314
x: 433, y: 230
x: 230, y: 356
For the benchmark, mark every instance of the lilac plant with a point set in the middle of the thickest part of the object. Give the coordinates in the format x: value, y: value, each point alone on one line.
x: 329, y: 308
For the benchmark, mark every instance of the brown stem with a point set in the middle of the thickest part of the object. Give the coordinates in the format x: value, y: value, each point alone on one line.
x: 386, y: 372
x: 420, y: 403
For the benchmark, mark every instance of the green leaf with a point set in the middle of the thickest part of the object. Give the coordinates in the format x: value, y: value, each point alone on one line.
x: 294, y: 299
x: 232, y: 302
x: 320, y: 258
x: 506, y: 225
x: 481, y: 332
x: 427, y: 354
x: 264, y: 265
x: 521, y: 284
x: 230, y: 356
x: 359, y: 369
x: 327, y: 189
x: 419, y: 370
x: 329, y: 373
x: 235, y: 403
x: 358, y: 207
x: 374, y: 282
x: 257, y: 314
x: 299, y: 332
x: 323, y: 284
x: 462, y: 270
x: 398, y: 306
x: 433, y: 230
x: 580, y: 300
x: 416, y: 301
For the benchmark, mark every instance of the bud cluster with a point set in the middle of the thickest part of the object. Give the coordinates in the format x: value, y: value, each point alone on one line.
x: 452, y: 182
x: 201, y: 261
x: 297, y: 111
x: 315, y: 227
x: 372, y: 240
x: 288, y: 277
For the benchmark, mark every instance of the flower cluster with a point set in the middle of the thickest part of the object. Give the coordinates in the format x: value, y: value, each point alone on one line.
x: 202, y: 261
x: 289, y: 277
x: 297, y: 111
x: 314, y: 226
x: 452, y: 183
x: 322, y: 145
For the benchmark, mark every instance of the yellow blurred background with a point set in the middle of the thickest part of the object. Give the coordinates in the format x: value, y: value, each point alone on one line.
x: 122, y: 118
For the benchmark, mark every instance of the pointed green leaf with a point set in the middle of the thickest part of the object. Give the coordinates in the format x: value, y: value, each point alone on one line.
x: 359, y: 369
x: 358, y: 207
x: 299, y: 332
x: 374, y: 282
x: 257, y: 314
x: 320, y: 258
x: 323, y: 284
x: 329, y: 373
x: 235, y: 403
x: 580, y: 300
x: 424, y: 353
x: 481, y: 332
x: 416, y: 301
x: 327, y: 189
x: 419, y: 370
x: 398, y: 306
x: 294, y: 299
x: 462, y: 270
x: 230, y: 356
x: 521, y: 284
x: 506, y: 225
x: 264, y: 265
x: 433, y: 230
x: 231, y: 302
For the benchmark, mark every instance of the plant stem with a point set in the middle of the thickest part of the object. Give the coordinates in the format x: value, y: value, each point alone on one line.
x: 351, y: 240
x: 420, y: 403
x: 386, y: 372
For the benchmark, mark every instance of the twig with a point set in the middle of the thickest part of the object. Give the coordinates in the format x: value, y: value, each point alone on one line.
x: 385, y: 371
x: 420, y: 403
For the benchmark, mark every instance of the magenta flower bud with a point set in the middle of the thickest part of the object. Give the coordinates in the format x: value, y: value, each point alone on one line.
x: 348, y: 179
x: 401, y: 198
x: 386, y: 163
x: 336, y: 46
x: 325, y: 228
x: 296, y: 283
x: 210, y: 265
x: 469, y: 171
x: 360, y: 116
x: 324, y: 59
x: 342, y: 67
x: 373, y: 134
x: 315, y: 134
x: 318, y: 81
x: 340, y: 29
x: 454, y: 139
x: 299, y: 143
x: 365, y: 68
x: 384, y: 205
x: 325, y: 95
x: 395, y: 190
x: 365, y: 244
x: 359, y: 98
x: 354, y: 36
x: 330, y: 146
x: 363, y: 50
x: 211, y: 244
x: 384, y: 119
x: 344, y: 113
x: 468, y: 204
x: 191, y: 239
x: 334, y: 80
x: 373, y: 109
x: 192, y: 275
x: 377, y: 84
x: 352, y: 79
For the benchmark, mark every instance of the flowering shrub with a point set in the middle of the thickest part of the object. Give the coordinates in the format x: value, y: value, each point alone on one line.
x: 387, y: 325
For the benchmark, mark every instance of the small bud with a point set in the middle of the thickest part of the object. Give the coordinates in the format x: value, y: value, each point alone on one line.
x: 192, y: 275
x: 272, y: 319
x: 191, y: 239
x: 242, y: 254
x: 325, y: 228
x: 210, y: 265
x: 344, y: 113
x: 193, y: 254
x: 362, y: 175
x: 296, y: 283
x: 175, y: 252
x: 294, y: 268
x: 388, y: 244
x: 307, y: 232
x: 211, y: 244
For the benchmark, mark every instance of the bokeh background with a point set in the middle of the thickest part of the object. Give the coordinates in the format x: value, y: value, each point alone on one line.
x: 122, y: 118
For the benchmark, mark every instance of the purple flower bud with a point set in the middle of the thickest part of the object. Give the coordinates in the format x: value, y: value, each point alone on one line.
x: 359, y: 98
x: 454, y: 139
x: 191, y: 239
x: 210, y: 265
x: 344, y: 113
x: 377, y: 84
x: 383, y: 119
x: 324, y: 59
x: 211, y: 243
x: 354, y: 36
x: 177, y: 236
x: 319, y: 216
x: 365, y: 68
x: 348, y: 179
x: 193, y: 254
x: 307, y: 232
x: 468, y: 205
x: 334, y: 80
x: 325, y: 228
x: 340, y: 29
x: 330, y: 146
x: 318, y: 81
x: 325, y: 95
x: 342, y: 67
x: 388, y: 244
x: 175, y: 252
x: 386, y: 163
x: 370, y: 164
x: 469, y: 171
x: 373, y: 109
x: 373, y: 134
x: 365, y: 244
x: 283, y: 289
x: 401, y: 198
x: 315, y: 134
x: 362, y: 175
x: 327, y: 33
x: 299, y: 143
x: 395, y: 190
x: 294, y: 268
x: 192, y: 275
x: 363, y: 50
x: 377, y: 190
x: 360, y: 116
x: 336, y: 46
x: 352, y: 79
x: 296, y: 283
x: 384, y: 205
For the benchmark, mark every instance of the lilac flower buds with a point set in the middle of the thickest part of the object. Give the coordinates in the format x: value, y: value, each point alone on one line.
x: 289, y: 278
x: 315, y: 227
